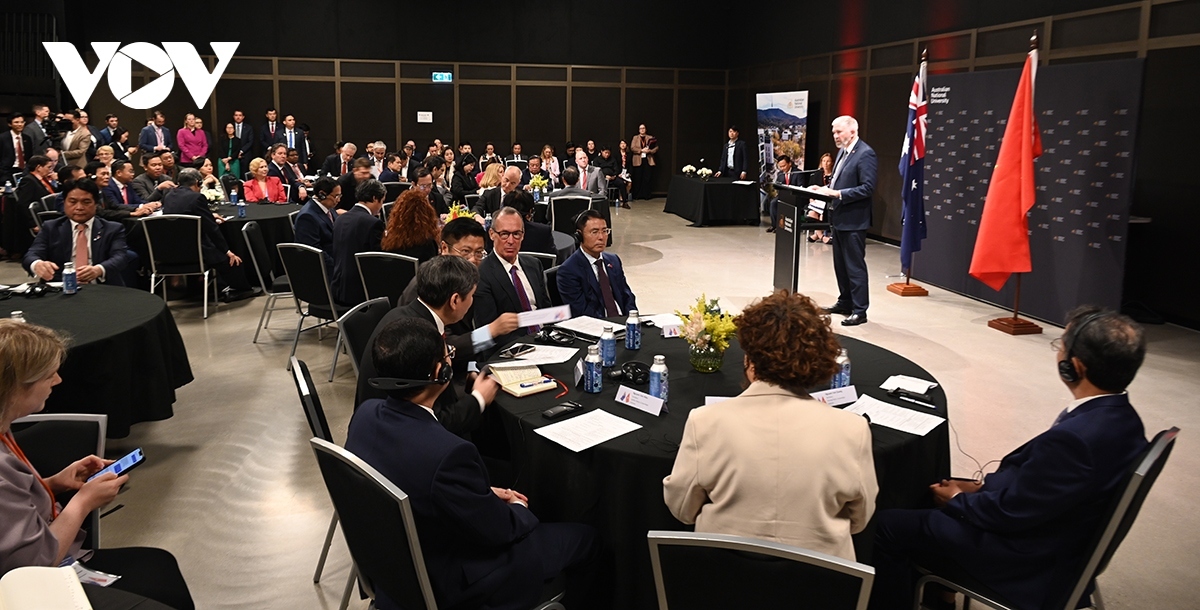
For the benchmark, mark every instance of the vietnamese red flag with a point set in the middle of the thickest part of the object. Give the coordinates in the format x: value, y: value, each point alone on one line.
x: 1002, y: 246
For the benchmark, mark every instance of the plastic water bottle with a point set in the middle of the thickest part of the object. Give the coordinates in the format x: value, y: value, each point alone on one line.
x: 7, y: 186
x: 241, y: 210
x: 633, y: 331
x: 841, y: 379
x: 593, y: 373
x: 233, y: 196
x: 487, y: 222
x: 660, y: 379
x: 17, y: 315
x: 608, y: 347
x: 70, y: 282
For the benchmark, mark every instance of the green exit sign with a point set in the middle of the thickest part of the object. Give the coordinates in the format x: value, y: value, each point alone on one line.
x: 443, y: 77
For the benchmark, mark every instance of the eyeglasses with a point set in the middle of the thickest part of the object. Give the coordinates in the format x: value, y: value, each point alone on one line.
x: 1057, y: 344
x: 473, y: 254
x: 598, y: 232
x: 507, y: 235
x: 424, y: 187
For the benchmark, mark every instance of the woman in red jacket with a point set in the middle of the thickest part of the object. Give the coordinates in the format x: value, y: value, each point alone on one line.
x: 261, y: 188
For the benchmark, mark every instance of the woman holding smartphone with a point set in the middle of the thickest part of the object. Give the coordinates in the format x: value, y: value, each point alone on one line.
x: 38, y: 531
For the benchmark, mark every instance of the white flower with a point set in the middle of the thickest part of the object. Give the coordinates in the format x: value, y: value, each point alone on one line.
x: 687, y: 169
x: 704, y: 171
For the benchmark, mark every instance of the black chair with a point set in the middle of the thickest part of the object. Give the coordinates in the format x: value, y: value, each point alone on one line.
x: 551, y: 276
x: 231, y: 184
x: 547, y: 260
x: 470, y: 199
x: 275, y: 287
x: 309, y: 278
x: 394, y: 190
x: 564, y: 209
x: 385, y: 274
x: 53, y: 441
x: 357, y: 325
x: 377, y: 521
x: 385, y: 211
x: 310, y: 402
x: 1121, y: 512
x: 42, y: 210
x: 695, y: 571
x: 247, y: 176
x: 175, y: 246
x: 292, y: 220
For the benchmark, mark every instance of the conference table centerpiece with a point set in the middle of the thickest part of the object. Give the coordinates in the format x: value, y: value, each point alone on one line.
x: 707, y: 330
x: 689, y: 170
x: 457, y: 210
x: 704, y: 173
x: 537, y: 185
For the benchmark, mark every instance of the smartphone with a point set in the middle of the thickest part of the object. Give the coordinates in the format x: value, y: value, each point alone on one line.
x: 514, y: 351
x: 123, y: 465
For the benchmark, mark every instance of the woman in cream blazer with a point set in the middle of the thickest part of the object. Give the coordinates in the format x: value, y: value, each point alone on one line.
x: 772, y: 463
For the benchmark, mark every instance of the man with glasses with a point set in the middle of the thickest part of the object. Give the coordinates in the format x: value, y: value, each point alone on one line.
x: 314, y: 223
x: 508, y: 281
x: 591, y: 280
x: 426, y: 177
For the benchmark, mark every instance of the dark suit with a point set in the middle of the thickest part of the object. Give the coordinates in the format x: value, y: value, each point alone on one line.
x: 8, y: 154
x: 580, y: 288
x: 314, y: 228
x: 480, y: 552
x: 739, y: 160
x: 298, y: 142
x: 461, y: 185
x: 496, y: 293
x: 37, y: 135
x: 526, y: 176
x: 148, y: 141
x: 212, y: 244
x: 792, y: 178
x: 489, y: 201
x: 438, y: 201
x: 355, y: 231
x: 147, y: 187
x: 266, y: 138
x: 1025, y: 531
x: 53, y: 244
x: 245, y: 140
x: 388, y: 175
x: 538, y: 238
x: 332, y: 166
x: 348, y: 184
x: 286, y: 176
x: 850, y: 217
x: 459, y: 415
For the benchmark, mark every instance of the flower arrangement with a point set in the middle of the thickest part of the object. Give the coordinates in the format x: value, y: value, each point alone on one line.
x: 704, y: 173
x: 689, y: 170
x: 705, y: 325
x: 457, y: 210
x: 538, y: 183
x: 213, y: 195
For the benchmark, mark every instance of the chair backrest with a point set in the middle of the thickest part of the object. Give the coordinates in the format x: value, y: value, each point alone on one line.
x: 307, y: 274
x: 1124, y: 509
x: 547, y: 260
x: 358, y: 324
x: 310, y: 401
x: 246, y: 176
x: 287, y: 192
x: 259, y: 257
x: 385, y: 274
x: 47, y: 202
x: 47, y: 215
x: 394, y: 190
x: 377, y: 522
x: 694, y: 571
x: 292, y: 220
x: 564, y: 209
x: 386, y: 210
x: 231, y: 184
x: 551, y: 275
x: 470, y: 199
x: 174, y: 242
x: 53, y: 441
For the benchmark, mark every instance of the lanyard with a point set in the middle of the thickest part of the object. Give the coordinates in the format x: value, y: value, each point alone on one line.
x: 11, y: 443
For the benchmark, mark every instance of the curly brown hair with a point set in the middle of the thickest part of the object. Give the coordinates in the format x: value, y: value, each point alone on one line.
x: 411, y: 223
x: 789, y: 342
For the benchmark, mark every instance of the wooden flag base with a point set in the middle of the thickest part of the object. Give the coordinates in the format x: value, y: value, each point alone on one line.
x: 1015, y: 326
x: 907, y: 290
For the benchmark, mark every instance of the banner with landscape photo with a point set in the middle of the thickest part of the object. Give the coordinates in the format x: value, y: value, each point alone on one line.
x: 782, y: 126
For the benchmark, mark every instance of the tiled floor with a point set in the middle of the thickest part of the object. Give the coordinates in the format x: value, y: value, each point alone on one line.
x: 232, y: 489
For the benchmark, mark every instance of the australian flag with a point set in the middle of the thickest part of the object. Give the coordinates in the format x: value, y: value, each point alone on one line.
x: 912, y: 174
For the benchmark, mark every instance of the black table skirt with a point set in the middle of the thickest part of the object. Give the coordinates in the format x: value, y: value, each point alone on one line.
x: 565, y: 244
x: 617, y: 486
x: 272, y: 220
x: 125, y: 357
x: 717, y: 201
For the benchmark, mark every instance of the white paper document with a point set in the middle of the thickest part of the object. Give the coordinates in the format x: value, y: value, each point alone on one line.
x: 589, y: 326
x: 548, y: 354
x: 743, y: 182
x: 908, y: 384
x: 548, y: 315
x: 897, y: 418
x: 587, y: 430
x: 837, y: 396
x: 663, y: 319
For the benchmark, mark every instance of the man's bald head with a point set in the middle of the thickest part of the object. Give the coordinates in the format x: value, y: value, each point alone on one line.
x: 512, y: 178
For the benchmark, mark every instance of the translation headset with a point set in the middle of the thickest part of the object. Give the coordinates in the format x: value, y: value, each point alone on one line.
x: 387, y: 384
x: 1066, y: 368
x: 634, y: 371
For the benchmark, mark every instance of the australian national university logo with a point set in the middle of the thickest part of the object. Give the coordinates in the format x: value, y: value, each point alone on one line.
x: 166, y: 61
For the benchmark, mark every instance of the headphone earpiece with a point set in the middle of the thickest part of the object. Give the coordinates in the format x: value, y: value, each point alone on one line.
x: 1066, y: 368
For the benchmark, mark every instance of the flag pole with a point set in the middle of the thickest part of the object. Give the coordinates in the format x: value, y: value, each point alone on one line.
x: 1015, y: 325
x: 908, y: 289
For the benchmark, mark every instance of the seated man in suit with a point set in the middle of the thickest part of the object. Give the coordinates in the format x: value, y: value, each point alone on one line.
x: 492, y: 199
x: 590, y: 177
x: 614, y: 174
x: 538, y: 237
x: 95, y: 246
x: 360, y: 173
x: 152, y: 184
x: 1024, y: 529
x: 733, y: 160
x: 108, y: 207
x: 358, y: 230
x: 391, y: 169
x: 788, y: 176
x: 426, y: 179
x: 508, y: 281
x: 570, y: 178
x: 516, y: 154
x: 534, y: 169
x: 482, y: 546
x: 445, y: 293
x: 340, y: 163
x: 591, y: 280
x: 277, y: 168
x: 314, y: 223
x: 186, y: 199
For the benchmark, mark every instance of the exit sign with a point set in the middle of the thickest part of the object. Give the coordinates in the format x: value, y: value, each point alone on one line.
x: 443, y: 77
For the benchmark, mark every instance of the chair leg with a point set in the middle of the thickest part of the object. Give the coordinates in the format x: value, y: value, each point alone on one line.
x: 295, y: 340
x: 271, y: 299
x: 263, y: 316
x: 325, y: 549
x: 349, y: 587
x: 1096, y: 599
x: 205, y: 295
x: 337, y: 351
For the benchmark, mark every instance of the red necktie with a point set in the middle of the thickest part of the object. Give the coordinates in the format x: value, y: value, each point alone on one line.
x: 20, y: 153
x: 787, y: 178
x: 125, y: 193
x: 343, y: 166
x: 610, y: 303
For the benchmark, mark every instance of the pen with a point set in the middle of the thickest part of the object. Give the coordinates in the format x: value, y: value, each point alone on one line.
x: 923, y: 404
x: 530, y: 384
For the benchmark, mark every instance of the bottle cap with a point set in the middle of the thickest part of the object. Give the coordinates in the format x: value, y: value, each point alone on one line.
x: 593, y: 349
x: 633, y: 313
x: 660, y: 360
x: 608, y: 329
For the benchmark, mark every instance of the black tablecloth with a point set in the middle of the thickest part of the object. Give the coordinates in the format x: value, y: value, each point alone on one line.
x: 565, y: 244
x: 717, y: 201
x: 617, y: 486
x: 272, y: 220
x: 125, y: 359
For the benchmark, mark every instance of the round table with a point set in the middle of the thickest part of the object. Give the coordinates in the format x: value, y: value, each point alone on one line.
x: 565, y: 245
x: 125, y: 357
x: 617, y: 486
